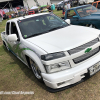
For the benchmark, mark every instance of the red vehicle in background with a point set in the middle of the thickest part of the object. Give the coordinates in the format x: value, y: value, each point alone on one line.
x: 30, y: 12
x: 18, y: 8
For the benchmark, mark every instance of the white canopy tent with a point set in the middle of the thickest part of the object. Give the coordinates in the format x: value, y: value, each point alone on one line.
x: 62, y: 1
x: 34, y: 7
x: 4, y: 0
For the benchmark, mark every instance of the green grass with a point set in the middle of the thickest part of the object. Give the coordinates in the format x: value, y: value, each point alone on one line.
x: 15, y: 76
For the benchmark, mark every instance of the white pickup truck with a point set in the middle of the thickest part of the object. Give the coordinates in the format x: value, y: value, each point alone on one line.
x: 58, y: 53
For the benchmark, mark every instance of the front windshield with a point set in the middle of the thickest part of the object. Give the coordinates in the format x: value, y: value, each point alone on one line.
x: 40, y: 24
x: 87, y: 10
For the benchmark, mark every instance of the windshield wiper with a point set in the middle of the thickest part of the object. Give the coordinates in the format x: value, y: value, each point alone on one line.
x: 33, y: 35
x: 55, y: 28
x: 37, y: 34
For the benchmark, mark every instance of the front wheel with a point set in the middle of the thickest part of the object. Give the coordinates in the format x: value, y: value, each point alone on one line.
x: 36, y: 70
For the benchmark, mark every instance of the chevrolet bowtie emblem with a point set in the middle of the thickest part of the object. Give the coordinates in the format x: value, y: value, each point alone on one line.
x: 88, y: 50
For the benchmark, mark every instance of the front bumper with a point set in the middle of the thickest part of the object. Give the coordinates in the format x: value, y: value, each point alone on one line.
x: 71, y: 76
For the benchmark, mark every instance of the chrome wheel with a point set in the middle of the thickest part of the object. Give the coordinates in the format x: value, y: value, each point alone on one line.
x: 35, y: 70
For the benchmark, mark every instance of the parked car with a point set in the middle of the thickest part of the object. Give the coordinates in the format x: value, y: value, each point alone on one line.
x: 58, y: 53
x: 61, y: 5
x: 21, y: 13
x: 86, y: 15
x: 96, y: 4
x: 85, y: 1
x: 30, y: 12
x: 18, y: 8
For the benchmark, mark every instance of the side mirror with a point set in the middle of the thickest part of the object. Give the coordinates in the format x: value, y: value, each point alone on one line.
x: 75, y: 17
x: 68, y: 21
x: 12, y: 37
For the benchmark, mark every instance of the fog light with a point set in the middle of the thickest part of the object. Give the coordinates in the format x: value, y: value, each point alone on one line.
x: 60, y: 83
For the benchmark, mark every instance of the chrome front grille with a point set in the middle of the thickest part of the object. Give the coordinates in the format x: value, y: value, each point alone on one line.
x: 86, y: 56
x: 82, y: 47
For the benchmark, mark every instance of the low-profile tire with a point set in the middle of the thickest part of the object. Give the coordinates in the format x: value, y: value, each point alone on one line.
x: 36, y: 70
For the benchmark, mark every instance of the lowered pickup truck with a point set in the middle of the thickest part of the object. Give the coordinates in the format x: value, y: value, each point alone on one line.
x: 58, y: 53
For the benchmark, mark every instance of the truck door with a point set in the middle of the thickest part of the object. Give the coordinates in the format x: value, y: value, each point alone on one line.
x: 14, y: 46
x: 6, y: 35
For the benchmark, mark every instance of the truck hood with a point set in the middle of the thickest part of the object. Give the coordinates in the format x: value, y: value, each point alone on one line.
x: 64, y: 39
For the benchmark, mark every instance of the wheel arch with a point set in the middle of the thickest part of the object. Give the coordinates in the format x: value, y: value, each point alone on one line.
x: 30, y: 54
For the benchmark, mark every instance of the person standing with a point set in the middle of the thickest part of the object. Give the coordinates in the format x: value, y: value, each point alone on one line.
x: 65, y: 7
x: 52, y: 7
x: 68, y: 5
x: 63, y: 11
x: 49, y: 9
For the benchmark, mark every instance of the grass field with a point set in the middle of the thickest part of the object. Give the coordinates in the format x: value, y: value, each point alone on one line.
x: 15, y: 76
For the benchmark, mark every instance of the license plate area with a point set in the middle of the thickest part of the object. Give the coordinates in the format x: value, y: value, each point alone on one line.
x: 93, y: 69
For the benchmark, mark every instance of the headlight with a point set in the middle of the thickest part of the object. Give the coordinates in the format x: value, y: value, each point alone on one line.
x: 57, y: 67
x: 52, y: 56
x: 99, y: 35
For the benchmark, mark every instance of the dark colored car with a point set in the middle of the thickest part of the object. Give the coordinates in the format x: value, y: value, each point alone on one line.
x: 86, y: 15
x: 30, y: 12
x: 61, y: 5
x: 21, y: 13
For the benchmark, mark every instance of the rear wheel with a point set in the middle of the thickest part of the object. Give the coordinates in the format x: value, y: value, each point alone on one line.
x: 35, y: 70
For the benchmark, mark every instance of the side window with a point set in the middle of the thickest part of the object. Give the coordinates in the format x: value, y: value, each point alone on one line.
x: 14, y: 29
x: 98, y: 5
x: 95, y: 4
x: 7, y: 28
x: 70, y: 14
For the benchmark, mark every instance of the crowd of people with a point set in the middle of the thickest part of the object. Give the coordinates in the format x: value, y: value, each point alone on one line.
x: 13, y: 15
